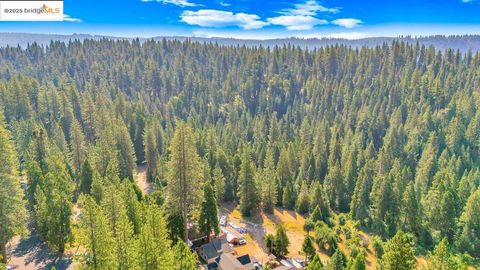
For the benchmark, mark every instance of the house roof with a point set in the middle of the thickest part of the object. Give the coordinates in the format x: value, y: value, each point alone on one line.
x: 212, y: 250
x: 230, y: 262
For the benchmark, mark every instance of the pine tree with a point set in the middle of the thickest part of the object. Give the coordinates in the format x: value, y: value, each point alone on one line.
x: 208, y: 220
x: 409, y: 210
x: 126, y: 153
x: 303, y: 200
x: 97, y: 237
x: 53, y: 207
x: 137, y: 137
x: 308, y: 248
x: 77, y: 146
x: 12, y: 206
x: 86, y: 177
x: 184, y: 258
x: 426, y: 166
x: 281, y: 241
x: 441, y: 257
x: 154, y: 245
x: 247, y: 188
x: 383, y: 205
x: 151, y: 153
x: 104, y: 153
x: 337, y: 261
x: 319, y: 199
x: 126, y: 243
x: 399, y: 253
x: 269, y: 183
x: 358, y: 263
x: 469, y: 240
x: 315, y: 264
x: 219, y: 181
x: 335, y: 188
x: 184, y: 173
x: 288, y: 198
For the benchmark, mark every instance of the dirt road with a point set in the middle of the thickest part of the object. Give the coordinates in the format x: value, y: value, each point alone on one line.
x: 30, y: 253
x: 141, y: 180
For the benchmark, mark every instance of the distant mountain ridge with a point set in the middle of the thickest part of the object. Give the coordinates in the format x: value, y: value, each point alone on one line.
x: 463, y: 43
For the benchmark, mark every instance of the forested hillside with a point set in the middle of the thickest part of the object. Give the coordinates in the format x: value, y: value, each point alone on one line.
x: 386, y: 137
x: 464, y: 43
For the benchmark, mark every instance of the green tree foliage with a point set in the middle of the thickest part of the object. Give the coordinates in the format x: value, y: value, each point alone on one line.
x: 86, y: 177
x: 278, y: 244
x: 208, y: 220
x: 247, y: 188
x: 325, y: 237
x: 470, y: 223
x: 388, y: 134
x: 53, y: 206
x: 12, y: 206
x: 399, y: 253
x: 125, y: 151
x: 319, y: 202
x: 77, y: 146
x: 152, y: 155
x: 219, y: 183
x: 269, y: 183
x: 357, y: 263
x: 97, y: 237
x: 281, y: 241
x: 184, y: 258
x: 337, y: 262
x: 308, y: 248
x: 270, y: 242
x: 377, y: 245
x: 441, y: 257
x: 303, y: 200
x: 184, y: 173
x: 154, y: 245
x: 315, y: 264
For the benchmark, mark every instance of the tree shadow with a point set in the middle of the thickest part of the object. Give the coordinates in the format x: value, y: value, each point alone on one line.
x: 37, y: 255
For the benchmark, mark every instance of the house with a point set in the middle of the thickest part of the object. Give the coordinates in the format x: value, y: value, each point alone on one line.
x: 228, y: 261
x: 233, y: 238
x: 212, y: 250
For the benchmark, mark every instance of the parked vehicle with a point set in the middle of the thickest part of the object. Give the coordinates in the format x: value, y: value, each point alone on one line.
x: 223, y: 220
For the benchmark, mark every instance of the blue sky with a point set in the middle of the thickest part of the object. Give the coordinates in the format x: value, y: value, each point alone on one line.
x: 261, y: 19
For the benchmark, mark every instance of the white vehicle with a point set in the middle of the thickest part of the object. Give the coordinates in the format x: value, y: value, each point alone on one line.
x: 223, y: 220
x: 242, y: 242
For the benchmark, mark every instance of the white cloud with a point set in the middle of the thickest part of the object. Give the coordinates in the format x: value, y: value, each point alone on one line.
x: 347, y: 22
x: 296, y: 22
x: 67, y: 18
x: 302, y: 16
x: 180, y: 3
x: 309, y: 8
x: 223, y: 3
x: 219, y: 18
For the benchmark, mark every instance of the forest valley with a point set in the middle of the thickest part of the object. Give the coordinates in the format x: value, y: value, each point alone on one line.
x: 382, y: 140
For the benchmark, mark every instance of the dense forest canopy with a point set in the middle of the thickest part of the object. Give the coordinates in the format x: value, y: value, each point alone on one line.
x: 387, y: 135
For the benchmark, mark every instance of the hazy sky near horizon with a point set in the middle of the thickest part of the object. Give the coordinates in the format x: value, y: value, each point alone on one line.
x: 261, y: 19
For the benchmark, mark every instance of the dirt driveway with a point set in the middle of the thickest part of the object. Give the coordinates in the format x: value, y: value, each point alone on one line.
x: 31, y: 253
